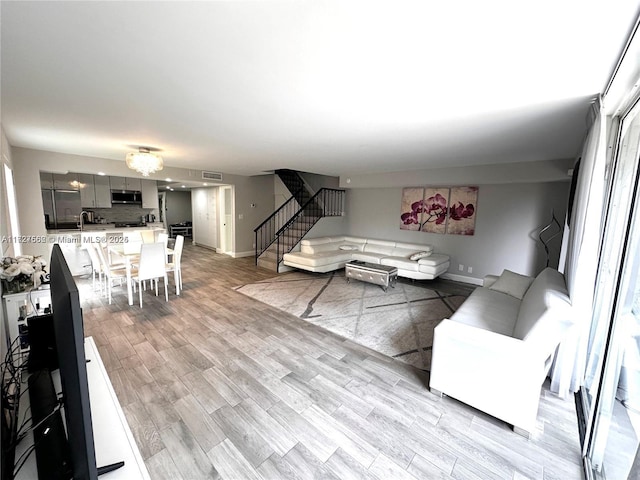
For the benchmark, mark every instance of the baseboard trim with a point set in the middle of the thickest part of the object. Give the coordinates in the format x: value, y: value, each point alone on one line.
x: 462, y: 278
x: 250, y: 253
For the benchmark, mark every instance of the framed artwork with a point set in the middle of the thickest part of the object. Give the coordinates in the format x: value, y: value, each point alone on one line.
x: 411, y: 208
x: 434, y: 207
x: 463, y: 204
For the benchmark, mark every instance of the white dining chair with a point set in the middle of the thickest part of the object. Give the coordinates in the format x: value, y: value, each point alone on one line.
x: 151, y: 267
x: 174, y: 265
x: 148, y: 236
x: 111, y: 272
x: 96, y: 265
x: 164, y: 239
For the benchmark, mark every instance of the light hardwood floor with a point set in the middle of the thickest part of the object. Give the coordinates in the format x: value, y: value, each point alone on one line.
x: 217, y: 385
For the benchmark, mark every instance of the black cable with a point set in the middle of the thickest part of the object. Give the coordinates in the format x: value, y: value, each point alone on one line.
x: 27, y: 453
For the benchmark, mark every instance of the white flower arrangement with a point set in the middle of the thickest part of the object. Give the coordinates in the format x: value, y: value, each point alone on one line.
x: 25, y: 269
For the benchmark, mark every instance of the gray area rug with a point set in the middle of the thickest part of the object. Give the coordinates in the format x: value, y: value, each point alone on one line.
x: 398, y: 323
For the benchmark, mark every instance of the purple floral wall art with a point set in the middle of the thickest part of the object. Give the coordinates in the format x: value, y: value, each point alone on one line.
x: 439, y: 210
x: 434, y: 206
x: 411, y: 208
x: 462, y: 210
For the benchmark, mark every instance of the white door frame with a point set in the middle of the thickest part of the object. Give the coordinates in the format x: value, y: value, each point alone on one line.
x: 226, y: 224
x: 162, y: 207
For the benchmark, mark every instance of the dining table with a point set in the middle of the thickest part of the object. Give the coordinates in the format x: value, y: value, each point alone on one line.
x: 129, y: 252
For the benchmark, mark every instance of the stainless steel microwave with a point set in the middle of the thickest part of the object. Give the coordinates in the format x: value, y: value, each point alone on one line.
x: 126, y: 196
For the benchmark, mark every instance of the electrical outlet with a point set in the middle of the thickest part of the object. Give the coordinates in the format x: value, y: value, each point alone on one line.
x: 470, y: 270
x: 461, y: 267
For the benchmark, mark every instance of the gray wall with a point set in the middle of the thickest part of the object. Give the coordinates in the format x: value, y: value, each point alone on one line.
x: 509, y: 217
x: 178, y: 205
x: 259, y: 192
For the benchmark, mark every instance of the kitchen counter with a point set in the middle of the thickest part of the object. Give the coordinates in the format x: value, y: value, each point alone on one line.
x: 72, y: 242
x: 105, y: 228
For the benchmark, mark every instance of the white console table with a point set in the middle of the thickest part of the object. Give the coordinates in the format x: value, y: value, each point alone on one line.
x: 112, y: 436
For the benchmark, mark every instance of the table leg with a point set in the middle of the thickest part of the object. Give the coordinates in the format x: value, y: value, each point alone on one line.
x: 129, y: 281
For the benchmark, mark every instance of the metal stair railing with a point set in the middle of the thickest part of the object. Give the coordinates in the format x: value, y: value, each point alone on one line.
x: 265, y: 232
x: 328, y: 202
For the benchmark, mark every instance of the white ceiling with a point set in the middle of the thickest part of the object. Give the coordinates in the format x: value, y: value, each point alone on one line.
x: 331, y: 87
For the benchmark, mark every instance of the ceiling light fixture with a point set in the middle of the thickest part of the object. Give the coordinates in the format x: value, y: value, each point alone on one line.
x: 144, y: 162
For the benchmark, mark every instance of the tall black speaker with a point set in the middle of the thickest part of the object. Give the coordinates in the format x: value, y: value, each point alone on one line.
x: 42, y: 343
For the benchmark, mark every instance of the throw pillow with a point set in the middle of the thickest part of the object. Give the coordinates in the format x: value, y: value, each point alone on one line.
x: 512, y: 284
x: 419, y: 255
x: 348, y: 247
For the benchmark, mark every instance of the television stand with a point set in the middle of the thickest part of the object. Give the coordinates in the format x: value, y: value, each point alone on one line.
x: 110, y: 468
x: 113, y: 440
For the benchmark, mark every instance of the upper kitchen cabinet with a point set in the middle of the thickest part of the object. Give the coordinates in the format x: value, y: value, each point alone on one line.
x: 125, y: 183
x: 46, y: 180
x: 66, y: 181
x: 134, y: 184
x: 95, y: 191
x: 149, y: 189
x: 87, y: 190
x: 103, y: 191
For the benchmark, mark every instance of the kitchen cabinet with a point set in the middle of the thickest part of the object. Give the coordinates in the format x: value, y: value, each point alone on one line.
x: 66, y: 181
x: 46, y: 180
x: 87, y: 190
x: 125, y: 183
x: 149, y: 189
x: 103, y: 191
x: 134, y: 184
x: 95, y: 191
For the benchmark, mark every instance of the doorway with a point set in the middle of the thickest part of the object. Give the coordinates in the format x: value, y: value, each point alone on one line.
x: 162, y: 205
x: 226, y: 219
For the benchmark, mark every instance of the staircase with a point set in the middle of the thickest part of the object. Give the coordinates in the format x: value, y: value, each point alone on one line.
x: 285, y: 227
x: 295, y: 184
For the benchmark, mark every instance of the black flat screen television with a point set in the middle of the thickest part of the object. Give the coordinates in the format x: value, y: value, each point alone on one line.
x: 69, y: 334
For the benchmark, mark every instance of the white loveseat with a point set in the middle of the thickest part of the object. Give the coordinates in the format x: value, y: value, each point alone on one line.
x: 325, y: 254
x: 495, y: 352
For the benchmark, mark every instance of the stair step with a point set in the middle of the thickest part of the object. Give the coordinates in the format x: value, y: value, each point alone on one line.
x: 268, y: 265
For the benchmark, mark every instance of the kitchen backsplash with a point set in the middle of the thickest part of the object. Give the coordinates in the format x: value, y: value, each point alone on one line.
x: 121, y: 213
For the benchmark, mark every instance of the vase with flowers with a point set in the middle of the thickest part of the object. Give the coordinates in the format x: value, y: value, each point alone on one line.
x: 22, y: 273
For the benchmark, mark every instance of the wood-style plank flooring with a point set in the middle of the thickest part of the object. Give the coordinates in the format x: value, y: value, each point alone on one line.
x: 218, y: 385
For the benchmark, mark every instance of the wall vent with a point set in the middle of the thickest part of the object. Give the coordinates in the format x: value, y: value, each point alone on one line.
x: 211, y: 176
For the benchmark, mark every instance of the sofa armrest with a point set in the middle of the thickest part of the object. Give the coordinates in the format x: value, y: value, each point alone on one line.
x: 495, y: 373
x: 489, y: 280
x: 492, y: 345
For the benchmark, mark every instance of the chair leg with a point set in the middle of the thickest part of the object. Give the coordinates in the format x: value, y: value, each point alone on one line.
x: 140, y: 295
x: 166, y: 289
x: 176, y: 279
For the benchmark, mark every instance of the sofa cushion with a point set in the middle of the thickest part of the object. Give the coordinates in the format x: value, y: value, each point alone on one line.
x: 489, y: 310
x: 321, y: 247
x: 317, y: 259
x: 379, y: 246
x: 320, y: 240
x: 512, y: 284
x: 545, y: 305
x: 434, y: 260
x: 367, y: 256
x: 401, y: 263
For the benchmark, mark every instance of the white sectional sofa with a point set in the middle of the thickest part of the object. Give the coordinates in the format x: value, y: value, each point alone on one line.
x: 495, y: 351
x: 326, y: 254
